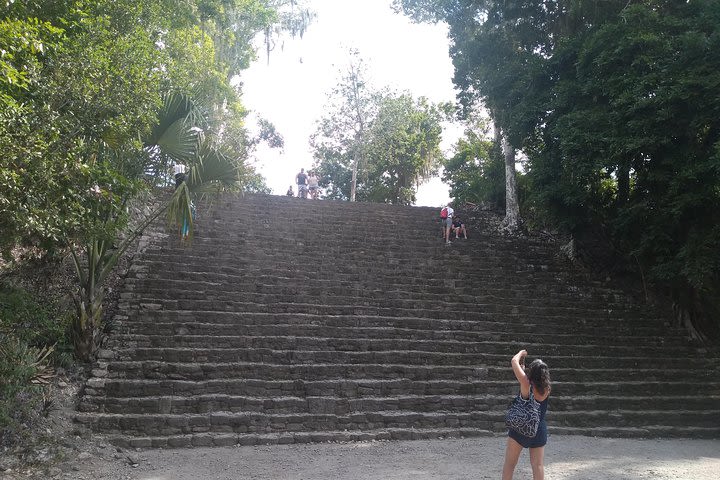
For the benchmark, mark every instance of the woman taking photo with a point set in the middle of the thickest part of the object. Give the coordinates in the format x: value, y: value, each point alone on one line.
x: 534, y: 384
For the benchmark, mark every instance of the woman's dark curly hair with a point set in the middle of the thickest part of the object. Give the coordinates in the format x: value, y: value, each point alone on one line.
x: 539, y: 375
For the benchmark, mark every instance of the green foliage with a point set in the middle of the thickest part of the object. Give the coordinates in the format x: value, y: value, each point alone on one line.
x: 98, y: 89
x: 256, y: 183
x: 23, y: 44
x: 35, y: 323
x: 476, y: 172
x: 21, y: 398
x: 33, y: 335
x: 334, y: 169
x: 403, y: 148
x: 398, y: 144
x: 342, y: 134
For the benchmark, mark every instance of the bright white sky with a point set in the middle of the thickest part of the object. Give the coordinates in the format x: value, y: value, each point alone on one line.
x: 291, y: 91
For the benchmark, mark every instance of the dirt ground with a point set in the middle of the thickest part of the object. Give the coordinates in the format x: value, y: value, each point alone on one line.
x: 567, y: 457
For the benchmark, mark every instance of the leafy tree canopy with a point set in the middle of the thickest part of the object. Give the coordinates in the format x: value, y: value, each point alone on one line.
x: 476, y: 171
x: 400, y: 148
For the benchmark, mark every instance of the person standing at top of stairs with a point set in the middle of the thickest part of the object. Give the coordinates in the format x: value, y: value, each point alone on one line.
x: 179, y: 172
x: 301, y: 180
x: 313, y: 184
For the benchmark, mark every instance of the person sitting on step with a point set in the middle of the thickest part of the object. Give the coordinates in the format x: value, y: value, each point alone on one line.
x: 458, y: 227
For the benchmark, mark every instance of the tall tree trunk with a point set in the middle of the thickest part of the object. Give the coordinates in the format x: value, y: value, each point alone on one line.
x: 512, y: 206
x: 353, y: 182
x: 623, y: 179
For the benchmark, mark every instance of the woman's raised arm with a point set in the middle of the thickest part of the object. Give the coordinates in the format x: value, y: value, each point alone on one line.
x: 518, y: 366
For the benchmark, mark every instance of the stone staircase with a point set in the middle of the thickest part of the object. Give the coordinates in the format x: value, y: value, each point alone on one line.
x: 293, y: 320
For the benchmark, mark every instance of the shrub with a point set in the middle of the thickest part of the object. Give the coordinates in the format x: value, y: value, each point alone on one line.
x: 35, y: 324
x: 22, y: 372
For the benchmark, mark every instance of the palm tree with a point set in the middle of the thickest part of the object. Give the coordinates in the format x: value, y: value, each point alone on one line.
x: 178, y: 136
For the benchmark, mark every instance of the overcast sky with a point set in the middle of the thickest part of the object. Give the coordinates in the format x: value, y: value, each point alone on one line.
x: 292, y: 89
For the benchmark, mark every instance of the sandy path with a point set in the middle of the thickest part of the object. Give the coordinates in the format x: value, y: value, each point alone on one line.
x: 566, y: 458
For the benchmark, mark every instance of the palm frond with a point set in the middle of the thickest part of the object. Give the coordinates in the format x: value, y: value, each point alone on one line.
x: 179, y: 140
x: 213, y: 168
x: 179, y: 129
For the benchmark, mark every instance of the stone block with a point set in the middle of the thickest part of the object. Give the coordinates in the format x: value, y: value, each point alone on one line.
x: 151, y: 306
x: 96, y: 383
x: 202, y: 441
x: 140, y: 442
x: 285, y: 439
x: 179, y: 442
x: 225, y: 440
x: 247, y: 440
x: 106, y: 354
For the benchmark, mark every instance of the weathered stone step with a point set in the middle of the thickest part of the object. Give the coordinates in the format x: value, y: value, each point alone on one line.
x: 285, y: 217
x: 177, y: 405
x: 157, y: 370
x: 290, y: 217
x: 339, y: 264
x: 418, y: 245
x: 329, y: 269
x: 349, y: 344
x: 348, y: 388
x: 344, y: 261
x: 259, y: 292
x: 368, y: 276
x: 208, y: 403
x: 217, y: 355
x: 276, y: 207
x: 270, y: 209
x: 277, y: 211
x: 418, y: 234
x: 511, y: 324
x: 425, y: 243
x: 247, y: 370
x: 255, y: 422
x: 643, y: 431
x: 374, y: 276
x: 334, y: 305
x: 498, y: 312
x: 223, y: 439
x: 401, y: 287
x: 543, y: 282
x: 635, y: 418
x: 496, y: 332
x: 401, y: 257
x: 315, y: 285
x: 357, y: 388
